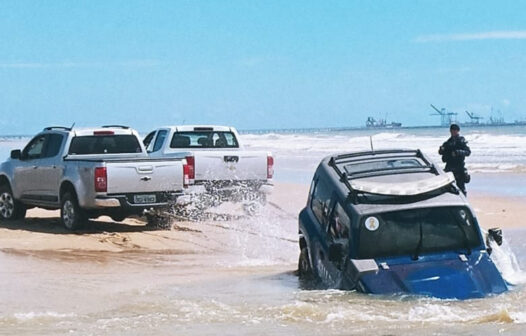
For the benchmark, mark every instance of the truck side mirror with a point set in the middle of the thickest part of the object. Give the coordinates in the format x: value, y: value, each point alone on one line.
x: 336, y: 252
x: 16, y: 154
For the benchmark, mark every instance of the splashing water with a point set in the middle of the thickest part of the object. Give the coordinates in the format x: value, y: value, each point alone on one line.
x: 506, y: 262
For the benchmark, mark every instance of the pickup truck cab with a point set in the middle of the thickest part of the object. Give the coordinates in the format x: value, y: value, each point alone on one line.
x: 87, y: 173
x: 390, y: 221
x: 221, y: 169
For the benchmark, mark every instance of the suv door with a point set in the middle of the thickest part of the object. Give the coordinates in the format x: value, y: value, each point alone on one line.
x: 320, y: 205
x: 338, y: 238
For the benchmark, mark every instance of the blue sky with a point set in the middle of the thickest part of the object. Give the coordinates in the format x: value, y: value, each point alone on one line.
x: 257, y: 64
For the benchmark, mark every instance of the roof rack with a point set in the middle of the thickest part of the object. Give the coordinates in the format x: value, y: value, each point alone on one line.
x: 57, y: 128
x: 369, y: 156
x: 116, y: 126
x: 355, y: 158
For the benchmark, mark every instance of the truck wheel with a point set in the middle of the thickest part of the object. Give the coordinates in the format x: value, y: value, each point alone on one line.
x: 304, y: 268
x: 158, y: 222
x: 118, y: 218
x: 70, y: 212
x: 10, y: 208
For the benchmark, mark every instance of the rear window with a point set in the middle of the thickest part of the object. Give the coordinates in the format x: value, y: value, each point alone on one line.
x: 418, y: 231
x: 204, y: 139
x: 104, y: 144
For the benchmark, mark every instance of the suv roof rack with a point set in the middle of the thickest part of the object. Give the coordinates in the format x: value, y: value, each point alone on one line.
x: 57, y: 128
x: 336, y: 162
x: 372, y: 156
x: 116, y: 126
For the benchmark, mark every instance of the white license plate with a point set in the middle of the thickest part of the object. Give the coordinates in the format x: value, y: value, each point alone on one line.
x: 144, y: 199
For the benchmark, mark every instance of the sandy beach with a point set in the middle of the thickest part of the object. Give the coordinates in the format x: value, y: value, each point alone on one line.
x: 42, y: 231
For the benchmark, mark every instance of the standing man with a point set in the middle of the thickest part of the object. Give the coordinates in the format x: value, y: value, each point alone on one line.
x: 453, y: 152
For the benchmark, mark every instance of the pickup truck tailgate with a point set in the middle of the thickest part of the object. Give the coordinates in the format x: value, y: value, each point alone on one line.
x: 230, y: 165
x: 151, y: 176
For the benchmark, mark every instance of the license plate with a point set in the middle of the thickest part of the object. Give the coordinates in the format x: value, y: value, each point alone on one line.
x: 144, y: 199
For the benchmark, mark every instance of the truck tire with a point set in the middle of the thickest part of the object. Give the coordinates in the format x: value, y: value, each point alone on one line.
x: 71, y: 214
x: 304, y: 267
x: 158, y: 222
x: 10, y: 208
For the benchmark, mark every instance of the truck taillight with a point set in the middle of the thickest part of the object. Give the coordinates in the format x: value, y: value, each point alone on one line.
x: 186, y: 175
x: 101, y: 179
x: 270, y: 167
x: 190, y: 161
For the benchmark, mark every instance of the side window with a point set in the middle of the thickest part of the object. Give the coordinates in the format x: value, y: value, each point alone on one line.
x: 339, y: 223
x: 35, y: 148
x: 161, y: 136
x: 231, y: 140
x: 147, y: 140
x: 321, y: 199
x: 54, y: 141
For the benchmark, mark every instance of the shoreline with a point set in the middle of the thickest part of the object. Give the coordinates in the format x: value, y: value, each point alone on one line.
x: 41, y: 229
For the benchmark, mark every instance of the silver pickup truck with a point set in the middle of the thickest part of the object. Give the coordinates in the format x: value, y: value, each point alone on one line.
x: 87, y: 173
x: 221, y: 169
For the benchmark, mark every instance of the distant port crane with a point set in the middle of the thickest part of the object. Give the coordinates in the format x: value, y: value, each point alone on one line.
x: 446, y: 117
x: 474, y: 119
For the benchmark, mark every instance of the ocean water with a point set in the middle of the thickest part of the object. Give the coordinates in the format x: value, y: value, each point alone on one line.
x: 494, y: 149
x: 97, y: 293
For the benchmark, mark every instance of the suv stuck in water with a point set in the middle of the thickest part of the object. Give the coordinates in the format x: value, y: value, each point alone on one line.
x: 390, y: 221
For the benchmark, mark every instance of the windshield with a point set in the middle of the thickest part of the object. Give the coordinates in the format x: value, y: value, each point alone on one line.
x: 204, y: 139
x: 104, y: 144
x: 417, y: 231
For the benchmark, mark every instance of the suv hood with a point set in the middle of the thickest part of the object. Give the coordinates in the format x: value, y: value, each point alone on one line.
x: 444, y: 276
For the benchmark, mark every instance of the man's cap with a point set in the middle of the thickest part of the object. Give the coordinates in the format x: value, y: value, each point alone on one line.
x: 454, y: 127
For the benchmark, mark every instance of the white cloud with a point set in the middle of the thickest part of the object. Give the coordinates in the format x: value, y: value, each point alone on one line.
x: 39, y: 65
x: 492, y: 35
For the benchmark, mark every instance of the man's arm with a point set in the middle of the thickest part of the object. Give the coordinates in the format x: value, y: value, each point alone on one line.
x: 463, y: 148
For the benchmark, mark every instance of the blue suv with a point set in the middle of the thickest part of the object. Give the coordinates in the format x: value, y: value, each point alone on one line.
x: 386, y: 222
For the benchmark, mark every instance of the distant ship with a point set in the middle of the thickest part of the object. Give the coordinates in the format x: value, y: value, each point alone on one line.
x: 381, y: 123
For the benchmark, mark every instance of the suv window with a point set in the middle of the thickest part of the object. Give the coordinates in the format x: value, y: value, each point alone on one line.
x: 417, y: 231
x: 339, y: 223
x: 161, y: 135
x: 321, y: 199
x: 54, y: 141
x: 35, y: 147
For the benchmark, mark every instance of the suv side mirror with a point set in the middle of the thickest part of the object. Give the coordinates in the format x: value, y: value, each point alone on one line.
x: 336, y: 252
x: 496, y: 235
x: 16, y: 154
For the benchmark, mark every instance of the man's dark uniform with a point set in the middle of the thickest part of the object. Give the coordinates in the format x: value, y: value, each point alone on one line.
x: 453, y: 152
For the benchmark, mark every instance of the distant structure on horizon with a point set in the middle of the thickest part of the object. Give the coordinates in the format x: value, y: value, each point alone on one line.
x: 448, y: 117
x: 381, y: 123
